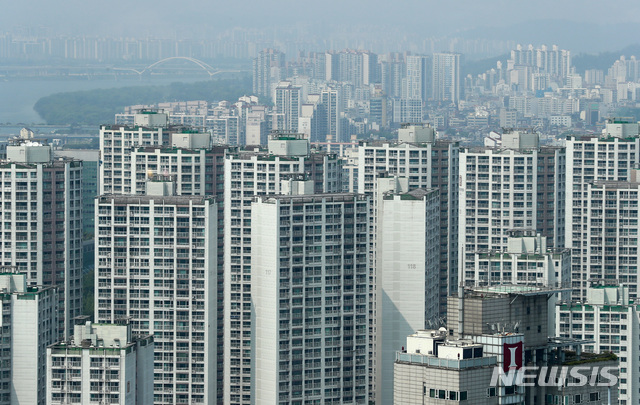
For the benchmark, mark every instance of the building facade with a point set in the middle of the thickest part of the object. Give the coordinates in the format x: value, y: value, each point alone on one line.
x: 591, y: 159
x: 446, y: 77
x: 155, y: 263
x: 408, y: 275
x: 518, y: 186
x: 310, y: 298
x: 249, y: 174
x: 42, y: 222
x: 103, y: 363
x: 28, y: 324
x: 118, y: 141
x: 609, y: 319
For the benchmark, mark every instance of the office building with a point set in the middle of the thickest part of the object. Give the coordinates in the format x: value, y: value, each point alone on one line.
x: 511, y: 323
x: 446, y: 77
x: 310, y: 297
x: 393, y: 75
x: 406, y: 110
x: 358, y: 68
x: 418, y: 161
x: 408, y: 275
x: 156, y: 256
x: 102, y: 363
x: 227, y: 129
x: 329, y: 112
x: 555, y: 61
x: 248, y: 174
x: 433, y: 370
x: 42, y: 222
x: 28, y: 324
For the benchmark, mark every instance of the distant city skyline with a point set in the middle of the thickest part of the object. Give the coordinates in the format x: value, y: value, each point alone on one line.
x: 331, y: 19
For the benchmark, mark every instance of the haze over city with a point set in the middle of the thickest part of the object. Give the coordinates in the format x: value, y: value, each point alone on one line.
x: 305, y: 203
x: 588, y: 25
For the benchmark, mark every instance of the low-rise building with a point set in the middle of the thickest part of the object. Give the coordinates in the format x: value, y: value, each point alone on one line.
x: 28, y: 324
x: 101, y: 364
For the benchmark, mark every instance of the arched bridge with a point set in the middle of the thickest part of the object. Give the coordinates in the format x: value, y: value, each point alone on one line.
x: 206, y: 67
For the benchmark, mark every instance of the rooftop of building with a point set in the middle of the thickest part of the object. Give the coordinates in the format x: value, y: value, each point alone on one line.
x: 610, y: 184
x: 438, y: 362
x: 571, y: 358
x: 145, y: 199
x: 175, y: 149
x: 311, y: 198
x: 65, y: 347
x: 493, y: 291
x: 601, y: 138
x: 379, y: 143
x: 13, y: 282
x: 264, y: 155
x: 543, y: 149
x: 57, y: 162
x: 413, y: 195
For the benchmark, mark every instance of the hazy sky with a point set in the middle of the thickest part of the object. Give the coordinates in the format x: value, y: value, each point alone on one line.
x: 140, y: 17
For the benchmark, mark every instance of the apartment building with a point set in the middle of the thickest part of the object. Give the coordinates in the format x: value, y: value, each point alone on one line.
x: 248, y: 174
x: 156, y: 256
x: 42, y: 222
x: 609, y: 320
x: 28, y: 324
x: 408, y: 275
x: 101, y: 364
x: 310, y: 259
x: 517, y: 186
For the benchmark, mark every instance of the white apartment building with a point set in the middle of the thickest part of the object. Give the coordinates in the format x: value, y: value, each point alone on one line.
x: 248, y: 174
x: 101, y: 364
x: 155, y: 263
x: 408, y: 275
x: 418, y: 160
x: 28, y: 324
x: 227, y: 129
x: 611, y: 321
x: 197, y: 171
x: 310, y: 258
x: 446, y: 77
x: 519, y: 186
x: 610, y: 157
x: 525, y: 260
x: 425, y: 163
x: 41, y: 222
x: 608, y: 236
x: 329, y: 114
x: 288, y: 103
x: 419, y: 77
x: 118, y: 141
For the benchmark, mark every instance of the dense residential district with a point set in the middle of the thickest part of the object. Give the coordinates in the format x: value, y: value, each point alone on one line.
x: 362, y: 229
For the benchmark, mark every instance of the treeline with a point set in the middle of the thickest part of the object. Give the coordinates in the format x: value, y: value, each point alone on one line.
x: 95, y: 107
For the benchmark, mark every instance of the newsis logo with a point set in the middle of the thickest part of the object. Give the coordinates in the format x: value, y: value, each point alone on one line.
x: 556, y: 376
x: 513, y: 372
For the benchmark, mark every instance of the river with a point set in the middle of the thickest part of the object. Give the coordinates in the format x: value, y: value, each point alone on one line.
x: 17, y: 97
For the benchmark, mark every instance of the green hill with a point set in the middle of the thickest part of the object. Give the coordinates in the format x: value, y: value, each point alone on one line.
x: 95, y: 107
